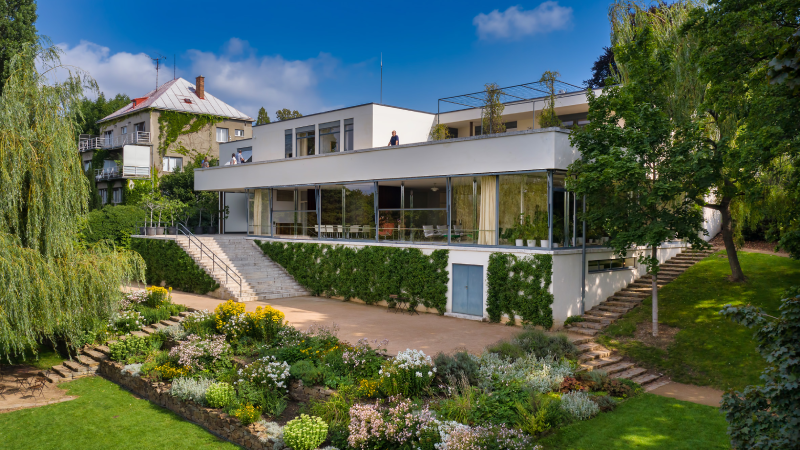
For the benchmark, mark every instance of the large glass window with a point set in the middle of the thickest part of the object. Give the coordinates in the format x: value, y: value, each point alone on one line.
x: 473, y: 210
x: 347, y: 211
x: 348, y: 134
x: 329, y: 137
x: 294, y: 212
x: 567, y: 229
x: 306, y: 141
x: 288, y: 143
x: 523, y: 210
x: 413, y: 210
x: 258, y: 213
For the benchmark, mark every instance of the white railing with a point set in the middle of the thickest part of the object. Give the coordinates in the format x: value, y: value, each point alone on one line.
x: 127, y: 172
x: 135, y: 171
x: 96, y: 143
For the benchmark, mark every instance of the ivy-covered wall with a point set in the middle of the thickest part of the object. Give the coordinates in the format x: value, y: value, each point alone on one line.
x: 370, y: 273
x: 520, y: 287
x: 166, y: 261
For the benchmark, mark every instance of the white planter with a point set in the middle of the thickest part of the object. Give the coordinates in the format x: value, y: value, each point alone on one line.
x: 556, y: 245
x: 545, y: 243
x: 579, y: 241
x: 519, y: 243
x: 531, y: 243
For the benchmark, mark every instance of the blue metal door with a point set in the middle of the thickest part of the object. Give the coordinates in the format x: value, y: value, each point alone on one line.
x: 468, y: 289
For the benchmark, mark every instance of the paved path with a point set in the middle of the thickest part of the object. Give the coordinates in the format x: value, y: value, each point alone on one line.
x: 703, y: 395
x: 427, y: 332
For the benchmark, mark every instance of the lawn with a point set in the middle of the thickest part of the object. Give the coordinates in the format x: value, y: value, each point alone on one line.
x: 646, y: 422
x: 709, y: 350
x: 104, y: 416
x: 46, y: 356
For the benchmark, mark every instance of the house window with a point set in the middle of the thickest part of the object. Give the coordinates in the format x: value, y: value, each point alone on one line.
x: 238, y: 133
x: 348, y: 134
x: 103, y: 195
x: 117, y: 195
x: 602, y: 265
x: 222, y: 135
x: 347, y: 211
x: 306, y: 141
x: 329, y: 137
x: 107, y: 138
x: 87, y: 165
x: 247, y: 153
x: 137, y: 127
x: 523, y: 209
x: 172, y: 164
x: 413, y: 210
x: 288, y: 143
x: 511, y: 125
x: 124, y: 130
x: 294, y: 212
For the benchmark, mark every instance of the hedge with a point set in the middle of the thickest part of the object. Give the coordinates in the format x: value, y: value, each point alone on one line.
x: 520, y: 287
x: 371, y: 273
x: 166, y: 261
x: 116, y: 223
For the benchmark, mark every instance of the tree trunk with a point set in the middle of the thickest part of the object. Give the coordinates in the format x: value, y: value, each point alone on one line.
x: 727, y: 237
x: 655, y: 295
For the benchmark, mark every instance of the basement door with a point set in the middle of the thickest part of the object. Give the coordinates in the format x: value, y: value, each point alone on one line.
x: 468, y: 289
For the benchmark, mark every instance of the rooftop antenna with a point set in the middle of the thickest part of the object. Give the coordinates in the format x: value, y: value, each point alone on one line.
x: 381, y: 78
x: 174, y: 76
x: 158, y: 64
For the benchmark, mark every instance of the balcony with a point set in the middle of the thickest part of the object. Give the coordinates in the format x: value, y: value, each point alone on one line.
x: 111, y: 173
x: 97, y: 143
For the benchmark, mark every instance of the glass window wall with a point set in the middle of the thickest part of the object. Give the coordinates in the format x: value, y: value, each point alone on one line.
x: 473, y: 210
x: 347, y: 211
x: 524, y: 210
x: 413, y: 210
x: 306, y: 141
x: 287, y: 144
x: 348, y: 134
x: 329, y: 137
x: 294, y: 213
x: 258, y: 209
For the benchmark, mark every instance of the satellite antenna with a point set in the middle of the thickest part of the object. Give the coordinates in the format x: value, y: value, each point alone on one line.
x: 158, y: 65
x: 381, y: 78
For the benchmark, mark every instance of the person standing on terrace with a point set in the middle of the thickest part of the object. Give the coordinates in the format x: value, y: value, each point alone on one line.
x: 395, y: 140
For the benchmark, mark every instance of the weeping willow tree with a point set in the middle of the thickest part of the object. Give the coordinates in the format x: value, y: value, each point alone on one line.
x: 51, y: 286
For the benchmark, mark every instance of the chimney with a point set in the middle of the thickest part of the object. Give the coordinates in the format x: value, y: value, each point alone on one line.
x: 200, y: 87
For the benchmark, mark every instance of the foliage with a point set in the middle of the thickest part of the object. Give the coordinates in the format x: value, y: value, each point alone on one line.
x: 507, y: 276
x: 127, y: 347
x: 286, y: 114
x: 201, y: 323
x: 389, y: 426
x: 115, y: 223
x: 266, y: 372
x: 370, y: 274
x: 785, y: 66
x: 94, y: 110
x: 492, y: 110
x: 336, y: 410
x: 602, y: 69
x: 573, y: 319
x: 265, y: 322
x: 17, y: 20
x: 539, y: 374
x: 548, y: 117
x: 579, y: 405
x: 174, y: 124
x: 220, y: 395
x: 225, y: 311
x: 617, y: 387
x: 201, y: 353
x: 571, y: 384
x: 768, y: 416
x: 605, y: 402
x: 439, y: 132
x: 263, y: 117
x: 125, y: 322
x: 167, y: 262
x: 305, y: 433
x: 540, y: 344
x: 247, y: 414
x: 306, y: 371
x: 53, y: 287
x: 408, y: 374
x: 191, y: 389
x: 457, y: 365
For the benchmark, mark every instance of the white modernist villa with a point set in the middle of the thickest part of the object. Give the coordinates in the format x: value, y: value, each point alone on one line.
x: 332, y: 178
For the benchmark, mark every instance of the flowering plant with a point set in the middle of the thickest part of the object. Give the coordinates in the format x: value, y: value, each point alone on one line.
x: 169, y: 370
x: 409, y: 373
x: 133, y: 298
x: 396, y: 424
x: 247, y: 414
x: 542, y: 374
x: 265, y: 322
x: 227, y: 310
x: 157, y: 296
x: 363, y: 359
x: 126, y: 321
x: 235, y: 327
x: 197, y: 353
x: 484, y: 438
x: 305, y: 432
x: 267, y: 372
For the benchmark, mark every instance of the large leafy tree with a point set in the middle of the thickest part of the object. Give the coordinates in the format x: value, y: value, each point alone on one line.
x: 94, y: 110
x: 636, y: 164
x: 17, y: 29
x: 753, y: 125
x: 285, y: 114
x: 602, y: 69
x: 52, y: 286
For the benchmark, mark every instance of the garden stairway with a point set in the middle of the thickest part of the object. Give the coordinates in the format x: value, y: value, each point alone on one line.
x: 262, y: 278
x: 88, y: 359
x: 594, y: 356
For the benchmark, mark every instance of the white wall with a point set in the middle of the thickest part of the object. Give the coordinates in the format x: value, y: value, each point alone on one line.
x: 237, y: 212
x: 712, y: 222
x: 509, y: 152
x: 136, y: 155
x: 411, y: 126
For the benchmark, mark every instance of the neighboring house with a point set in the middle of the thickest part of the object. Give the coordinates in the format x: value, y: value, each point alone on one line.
x: 331, y: 177
x: 135, y: 141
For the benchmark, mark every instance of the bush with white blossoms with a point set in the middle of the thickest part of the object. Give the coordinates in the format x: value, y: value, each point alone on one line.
x: 579, y: 405
x: 541, y: 374
x: 191, y: 389
x: 409, y: 373
x: 236, y: 326
x: 266, y: 372
x: 126, y: 321
x: 198, y: 353
x: 133, y: 298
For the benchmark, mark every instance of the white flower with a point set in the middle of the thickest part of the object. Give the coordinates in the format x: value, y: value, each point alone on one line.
x: 430, y: 374
x: 419, y: 374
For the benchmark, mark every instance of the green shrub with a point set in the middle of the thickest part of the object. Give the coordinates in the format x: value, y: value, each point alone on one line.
x: 370, y: 274
x: 306, y: 370
x: 540, y: 344
x: 507, y: 276
x: 579, y: 405
x: 573, y: 319
x: 267, y: 400
x: 506, y: 349
x: 163, y: 312
x: 618, y: 387
x: 167, y: 262
x: 201, y: 323
x: 114, y: 223
x: 604, y: 402
x: 128, y: 347
x: 247, y: 414
x: 305, y: 433
x: 220, y: 395
x: 454, y: 366
x: 190, y: 389
x: 336, y: 410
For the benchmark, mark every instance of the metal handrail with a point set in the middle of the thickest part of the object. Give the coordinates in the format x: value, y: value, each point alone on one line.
x: 214, y: 258
x: 96, y: 143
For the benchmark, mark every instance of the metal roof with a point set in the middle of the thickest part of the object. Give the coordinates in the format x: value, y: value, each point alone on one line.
x: 173, y: 96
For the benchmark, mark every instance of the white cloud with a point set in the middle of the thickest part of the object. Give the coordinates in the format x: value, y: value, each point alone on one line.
x: 515, y: 23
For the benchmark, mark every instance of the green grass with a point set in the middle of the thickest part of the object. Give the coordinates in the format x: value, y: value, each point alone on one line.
x: 709, y: 350
x: 104, y: 416
x: 46, y: 356
x: 646, y: 422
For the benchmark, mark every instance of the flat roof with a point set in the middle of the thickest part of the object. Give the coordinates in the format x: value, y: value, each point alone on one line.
x: 345, y: 108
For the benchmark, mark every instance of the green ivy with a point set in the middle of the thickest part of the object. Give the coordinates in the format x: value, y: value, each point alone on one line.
x: 370, y: 274
x: 174, y: 124
x: 508, y: 276
x: 166, y: 261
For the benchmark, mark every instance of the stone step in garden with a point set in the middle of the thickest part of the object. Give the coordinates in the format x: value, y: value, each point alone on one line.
x: 587, y: 324
x: 148, y: 330
x: 579, y: 340
x: 169, y: 323
x: 602, y: 320
x: 618, y: 367
x: 586, y: 331
x: 602, y: 314
x: 605, y: 307
x: 588, y: 346
x: 620, y: 304
x: 103, y: 349
x: 646, y: 378
x: 62, y: 371
x: 184, y: 314
x: 594, y: 354
x: 87, y: 361
x: 656, y: 384
x: 630, y: 373
x: 600, y: 363
x: 95, y: 355
x: 75, y: 366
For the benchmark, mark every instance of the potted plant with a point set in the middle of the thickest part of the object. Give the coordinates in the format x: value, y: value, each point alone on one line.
x: 541, y: 228
x: 160, y: 207
x: 150, y: 203
x: 512, y: 234
x: 173, y: 209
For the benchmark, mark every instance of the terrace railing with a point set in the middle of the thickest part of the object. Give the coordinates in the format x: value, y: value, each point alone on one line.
x: 215, y: 262
x: 97, y: 143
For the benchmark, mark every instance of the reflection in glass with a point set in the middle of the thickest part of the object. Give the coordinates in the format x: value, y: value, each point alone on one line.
x: 258, y: 213
x: 472, y: 213
x: 295, y: 224
x: 306, y: 143
x: 348, y: 211
x: 523, y: 209
x: 329, y: 137
x: 348, y: 134
x: 413, y: 225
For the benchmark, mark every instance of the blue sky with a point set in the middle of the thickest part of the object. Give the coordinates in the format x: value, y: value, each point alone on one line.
x: 317, y: 56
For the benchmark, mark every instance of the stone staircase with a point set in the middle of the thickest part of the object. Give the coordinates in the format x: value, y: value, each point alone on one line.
x: 262, y: 278
x: 88, y: 360
x: 593, y: 355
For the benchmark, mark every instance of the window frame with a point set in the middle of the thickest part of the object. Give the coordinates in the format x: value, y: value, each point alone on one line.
x: 227, y: 135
